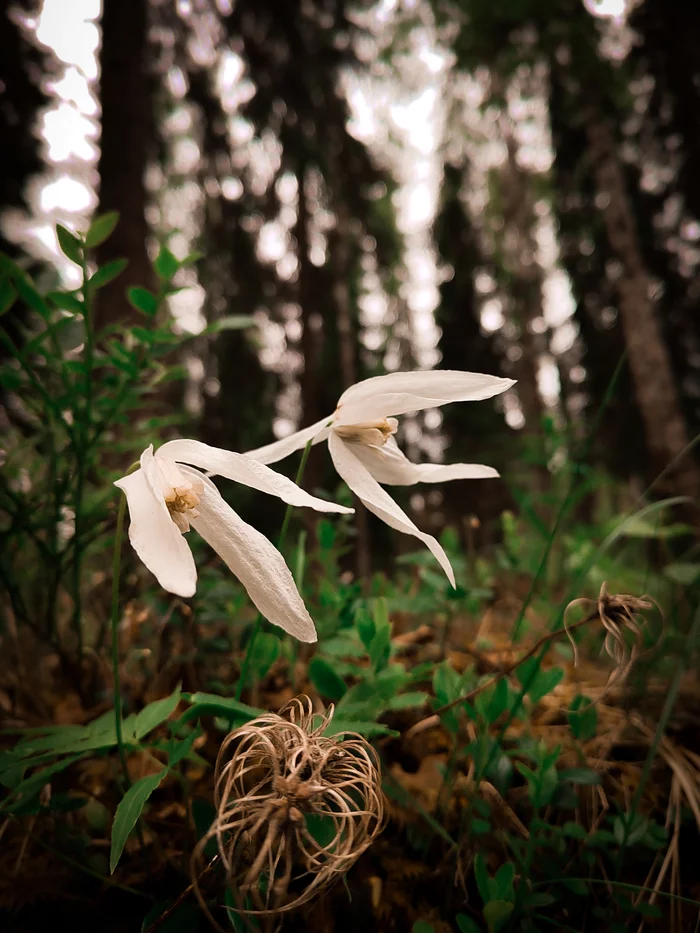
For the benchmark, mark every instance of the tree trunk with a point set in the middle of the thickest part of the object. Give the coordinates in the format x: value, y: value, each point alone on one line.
x: 649, y: 359
x: 127, y: 133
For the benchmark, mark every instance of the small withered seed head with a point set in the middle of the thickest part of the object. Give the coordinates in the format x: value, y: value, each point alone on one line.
x: 295, y: 808
x: 621, y: 617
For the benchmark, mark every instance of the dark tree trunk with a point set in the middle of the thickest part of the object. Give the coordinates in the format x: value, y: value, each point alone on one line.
x: 649, y: 360
x: 127, y: 135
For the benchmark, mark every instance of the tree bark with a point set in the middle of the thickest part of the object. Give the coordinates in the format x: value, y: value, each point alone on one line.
x: 127, y: 134
x: 649, y: 360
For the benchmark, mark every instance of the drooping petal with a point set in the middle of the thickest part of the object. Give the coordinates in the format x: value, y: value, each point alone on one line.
x: 256, y: 562
x: 156, y: 538
x: 242, y: 469
x: 397, y: 393
x: 389, y: 465
x: 377, y: 500
x: 278, y: 450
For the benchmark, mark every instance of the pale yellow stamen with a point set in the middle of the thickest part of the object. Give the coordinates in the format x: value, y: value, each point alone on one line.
x: 370, y: 433
x: 182, y: 502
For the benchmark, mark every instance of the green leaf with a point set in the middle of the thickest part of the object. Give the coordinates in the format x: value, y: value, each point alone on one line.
x: 229, y: 322
x: 684, y: 573
x: 503, y: 880
x: 492, y: 703
x: 539, y: 682
x: 580, y: 776
x: 583, y: 718
x: 574, y: 830
x: 210, y: 704
x: 380, y: 648
x: 142, y: 300
x: 107, y: 273
x: 467, y: 925
x: 101, y: 228
x: 155, y: 713
x: 325, y: 679
x: 411, y: 700
x: 27, y: 789
x: 577, y: 885
x: 8, y: 296
x: 496, y: 913
x: 446, y: 683
x: 70, y: 245
x: 366, y: 629
x: 264, y: 653
x: 422, y: 926
x: 166, y: 265
x: 129, y: 810
x: 29, y: 294
x: 481, y: 876
x: 66, y: 302
x: 367, y: 729
x: 538, y: 900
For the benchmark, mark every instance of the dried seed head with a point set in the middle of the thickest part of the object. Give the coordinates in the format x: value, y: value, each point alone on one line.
x: 620, y: 615
x: 295, y: 808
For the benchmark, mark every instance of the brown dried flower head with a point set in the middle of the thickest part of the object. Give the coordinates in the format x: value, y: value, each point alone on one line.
x: 621, y: 617
x: 295, y: 808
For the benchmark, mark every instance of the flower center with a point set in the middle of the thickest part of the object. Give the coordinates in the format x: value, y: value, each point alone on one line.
x: 369, y: 433
x: 182, y: 502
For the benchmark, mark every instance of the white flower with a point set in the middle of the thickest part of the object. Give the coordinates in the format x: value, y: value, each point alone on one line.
x: 165, y: 496
x: 364, y: 451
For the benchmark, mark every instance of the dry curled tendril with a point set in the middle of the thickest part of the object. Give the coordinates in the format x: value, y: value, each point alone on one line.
x: 294, y: 809
x: 621, y: 618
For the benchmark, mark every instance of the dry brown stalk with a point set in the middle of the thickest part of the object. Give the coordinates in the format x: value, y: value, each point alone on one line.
x: 617, y: 613
x: 295, y: 808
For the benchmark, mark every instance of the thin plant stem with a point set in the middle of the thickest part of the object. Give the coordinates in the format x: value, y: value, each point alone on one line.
x: 82, y: 450
x: 116, y: 568
x: 283, y: 534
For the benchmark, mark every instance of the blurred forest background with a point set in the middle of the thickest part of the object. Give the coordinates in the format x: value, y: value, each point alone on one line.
x: 400, y: 184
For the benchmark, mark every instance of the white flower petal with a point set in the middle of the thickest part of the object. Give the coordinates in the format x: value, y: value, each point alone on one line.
x: 389, y: 465
x: 397, y: 393
x: 256, y: 562
x: 278, y: 450
x: 156, y: 538
x: 242, y: 469
x: 377, y: 500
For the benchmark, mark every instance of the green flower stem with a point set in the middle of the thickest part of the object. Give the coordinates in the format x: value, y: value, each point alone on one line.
x: 283, y: 535
x: 116, y: 569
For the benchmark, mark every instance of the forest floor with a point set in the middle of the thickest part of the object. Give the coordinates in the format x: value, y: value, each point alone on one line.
x: 417, y: 875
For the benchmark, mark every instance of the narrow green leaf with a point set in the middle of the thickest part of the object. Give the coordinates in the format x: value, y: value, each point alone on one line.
x: 325, y: 679
x: 70, y: 244
x: 367, y: 729
x: 230, y: 322
x: 155, y: 713
x: 101, y: 228
x: 29, y: 294
x: 504, y: 880
x: 8, y: 296
x: 107, y: 273
x: 66, y: 302
x: 422, y: 926
x: 684, y: 573
x: 129, y: 810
